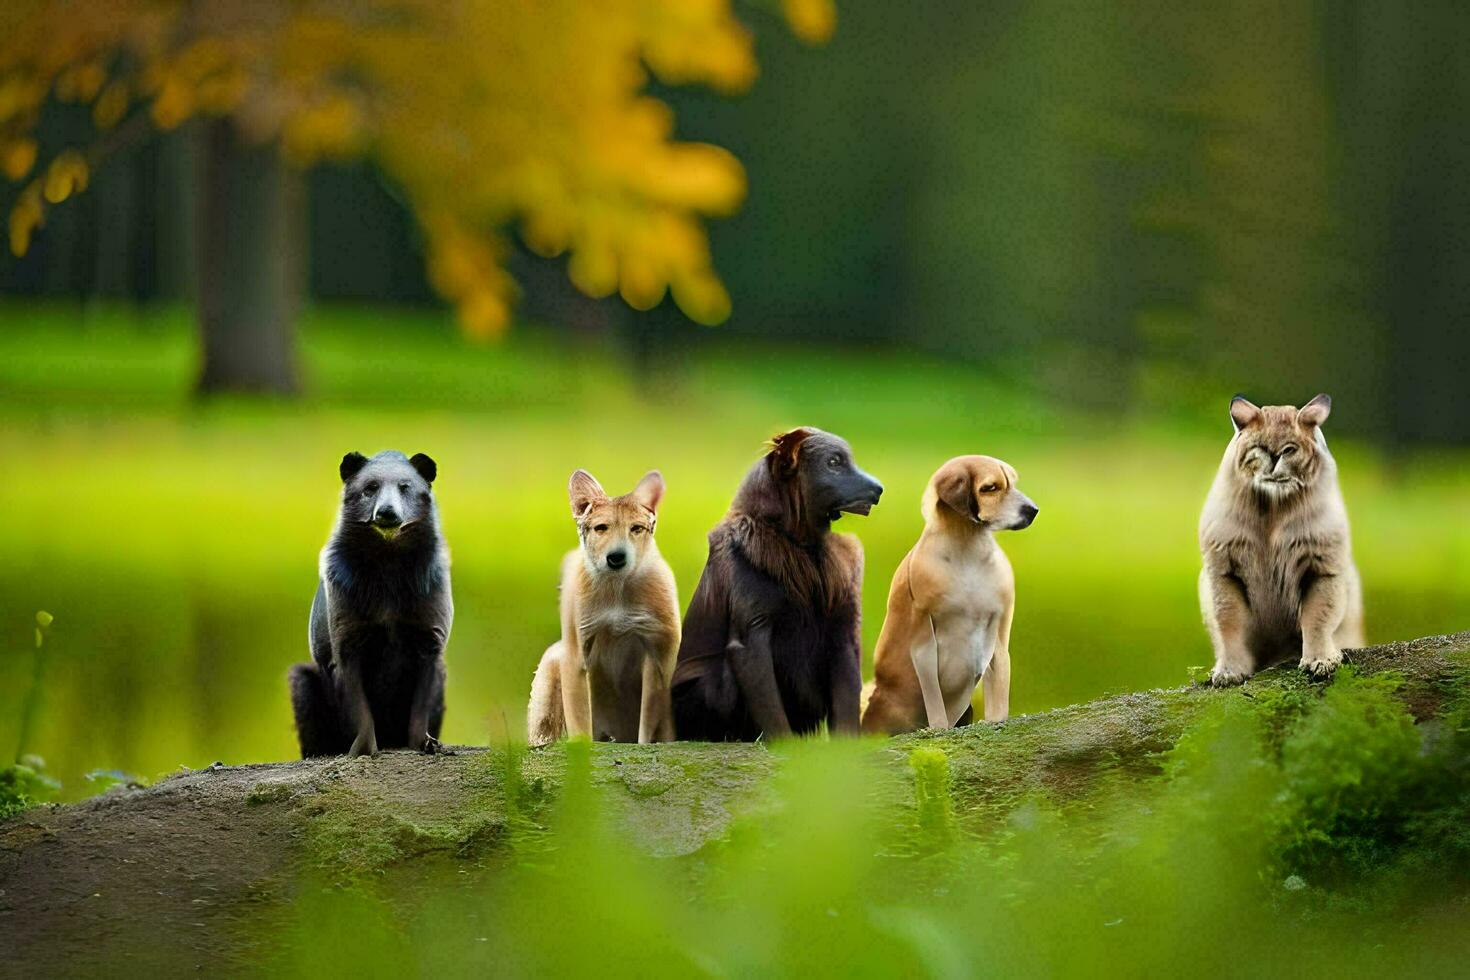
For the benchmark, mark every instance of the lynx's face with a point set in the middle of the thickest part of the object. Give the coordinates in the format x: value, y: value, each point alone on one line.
x: 1279, y: 449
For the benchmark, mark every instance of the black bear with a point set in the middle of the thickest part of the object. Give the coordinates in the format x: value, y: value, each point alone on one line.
x: 381, y: 616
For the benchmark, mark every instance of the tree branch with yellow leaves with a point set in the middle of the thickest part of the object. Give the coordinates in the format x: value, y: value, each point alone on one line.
x: 493, y: 117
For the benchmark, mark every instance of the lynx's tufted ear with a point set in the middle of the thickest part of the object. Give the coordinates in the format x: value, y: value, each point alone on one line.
x: 427, y: 468
x: 1315, y: 412
x: 786, y: 448
x: 584, y: 492
x: 1243, y: 412
x: 351, y: 464
x: 650, y: 490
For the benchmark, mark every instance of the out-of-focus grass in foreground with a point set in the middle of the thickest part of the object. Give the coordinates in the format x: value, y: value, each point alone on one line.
x: 1300, y: 834
x: 177, y: 543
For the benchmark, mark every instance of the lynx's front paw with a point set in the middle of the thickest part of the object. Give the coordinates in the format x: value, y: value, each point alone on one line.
x: 1227, y: 677
x: 1322, y: 663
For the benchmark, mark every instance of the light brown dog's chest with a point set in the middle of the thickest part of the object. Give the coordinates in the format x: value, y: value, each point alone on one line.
x: 965, y: 615
x: 618, y: 632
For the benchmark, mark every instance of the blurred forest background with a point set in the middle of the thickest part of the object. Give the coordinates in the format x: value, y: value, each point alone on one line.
x: 1122, y: 207
x: 1063, y: 233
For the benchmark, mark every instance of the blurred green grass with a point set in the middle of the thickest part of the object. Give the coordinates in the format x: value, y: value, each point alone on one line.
x: 176, y: 542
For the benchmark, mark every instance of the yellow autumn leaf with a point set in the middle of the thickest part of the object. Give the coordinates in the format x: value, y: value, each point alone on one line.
x: 80, y: 83
x: 221, y: 92
x: 110, y: 106
x: 593, y: 268
x: 17, y: 158
x: 329, y: 129
x: 484, y: 315
x: 702, y: 297
x: 811, y: 20
x: 639, y: 281
x: 172, y: 105
x: 66, y: 176
x: 696, y: 176
x: 25, y: 217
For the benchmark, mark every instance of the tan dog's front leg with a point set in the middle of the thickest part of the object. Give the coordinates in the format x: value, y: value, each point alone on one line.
x: 576, y: 689
x: 1322, y: 612
x: 997, y: 681
x: 925, y: 656
x: 1226, y: 611
x: 655, y: 710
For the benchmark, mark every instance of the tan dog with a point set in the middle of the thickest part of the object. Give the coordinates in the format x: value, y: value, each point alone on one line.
x: 608, y: 677
x: 950, y: 605
x: 1278, y: 580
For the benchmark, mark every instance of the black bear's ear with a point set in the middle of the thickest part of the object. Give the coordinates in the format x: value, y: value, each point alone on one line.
x: 426, y: 467
x: 351, y: 463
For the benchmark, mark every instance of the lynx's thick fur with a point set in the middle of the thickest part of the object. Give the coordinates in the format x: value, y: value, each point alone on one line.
x: 1278, y: 579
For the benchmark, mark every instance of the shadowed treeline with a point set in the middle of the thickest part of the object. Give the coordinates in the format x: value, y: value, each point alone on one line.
x: 1120, y: 206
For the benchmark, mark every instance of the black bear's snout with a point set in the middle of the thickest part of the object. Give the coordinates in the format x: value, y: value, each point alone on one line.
x: 617, y: 559
x: 386, y: 517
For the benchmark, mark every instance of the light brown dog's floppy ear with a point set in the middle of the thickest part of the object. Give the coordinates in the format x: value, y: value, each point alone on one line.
x: 1242, y: 412
x: 1315, y: 412
x: 956, y: 490
x: 650, y: 490
x: 787, y: 446
x: 584, y: 491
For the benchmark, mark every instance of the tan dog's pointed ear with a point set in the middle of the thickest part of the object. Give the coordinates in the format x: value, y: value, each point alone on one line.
x: 956, y: 490
x: 786, y: 448
x: 1315, y: 412
x: 1242, y: 412
x: 650, y: 490
x: 584, y: 491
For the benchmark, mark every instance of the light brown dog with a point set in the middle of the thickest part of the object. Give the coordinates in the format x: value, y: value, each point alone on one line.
x: 1278, y: 581
x: 950, y: 605
x: 609, y: 675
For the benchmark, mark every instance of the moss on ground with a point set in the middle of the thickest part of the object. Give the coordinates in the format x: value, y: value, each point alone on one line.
x: 354, y: 833
x: 1068, y: 755
x: 677, y: 798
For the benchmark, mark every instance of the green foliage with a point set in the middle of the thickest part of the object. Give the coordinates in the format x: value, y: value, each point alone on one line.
x: 1243, y: 839
x: 932, y: 796
x: 24, y: 784
x: 1351, y: 771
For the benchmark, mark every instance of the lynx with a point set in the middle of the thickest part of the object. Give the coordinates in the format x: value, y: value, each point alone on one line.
x: 1278, y: 580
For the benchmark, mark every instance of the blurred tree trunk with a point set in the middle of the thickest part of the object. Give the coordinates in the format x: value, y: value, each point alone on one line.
x: 250, y: 267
